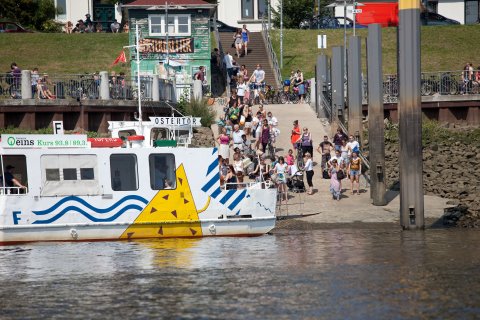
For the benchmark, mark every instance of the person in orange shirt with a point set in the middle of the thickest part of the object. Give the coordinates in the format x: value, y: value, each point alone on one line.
x: 296, y: 135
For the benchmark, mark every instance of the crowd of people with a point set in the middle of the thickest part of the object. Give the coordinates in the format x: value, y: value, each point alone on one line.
x: 247, y: 153
x: 89, y: 26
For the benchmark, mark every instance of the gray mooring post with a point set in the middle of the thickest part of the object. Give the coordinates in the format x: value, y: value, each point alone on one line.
x: 355, y: 88
x: 104, y: 89
x: 322, y: 82
x: 338, y: 78
x: 26, y: 84
x: 376, y: 137
x: 410, y: 117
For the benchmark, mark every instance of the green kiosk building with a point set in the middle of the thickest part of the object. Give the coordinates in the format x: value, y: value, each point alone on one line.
x: 175, y: 52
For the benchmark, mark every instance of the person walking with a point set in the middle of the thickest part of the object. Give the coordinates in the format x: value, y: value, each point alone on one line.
x: 307, y: 143
x: 224, y: 144
x: 245, y: 38
x: 309, y: 172
x: 355, y: 169
x: 338, y: 137
x: 324, y: 148
x: 264, y: 135
x: 295, y: 137
x: 280, y: 170
x: 237, y: 41
x: 335, y: 183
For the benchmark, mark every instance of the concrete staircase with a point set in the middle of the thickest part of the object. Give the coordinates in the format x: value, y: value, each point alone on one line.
x: 257, y: 54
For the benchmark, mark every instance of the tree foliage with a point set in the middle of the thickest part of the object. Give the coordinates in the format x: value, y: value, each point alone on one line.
x: 29, y: 13
x: 294, y: 11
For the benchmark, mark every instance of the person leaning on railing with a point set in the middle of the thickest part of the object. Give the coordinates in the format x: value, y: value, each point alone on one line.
x: 10, y: 181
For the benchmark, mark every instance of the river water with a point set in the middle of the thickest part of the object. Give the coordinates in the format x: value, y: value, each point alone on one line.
x: 344, y: 273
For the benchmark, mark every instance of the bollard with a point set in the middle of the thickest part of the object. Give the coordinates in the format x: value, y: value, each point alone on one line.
x: 26, y: 84
x: 410, y: 117
x: 104, y: 89
x: 156, y: 88
x: 338, y: 78
x: 375, y: 115
x: 355, y: 88
x: 313, y: 93
x: 323, y: 79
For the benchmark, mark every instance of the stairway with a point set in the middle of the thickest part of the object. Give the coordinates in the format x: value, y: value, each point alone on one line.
x: 257, y: 54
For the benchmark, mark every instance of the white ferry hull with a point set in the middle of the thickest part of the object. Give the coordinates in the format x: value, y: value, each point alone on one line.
x: 196, y: 207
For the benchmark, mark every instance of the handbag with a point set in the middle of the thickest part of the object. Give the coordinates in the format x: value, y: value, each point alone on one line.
x: 340, y: 175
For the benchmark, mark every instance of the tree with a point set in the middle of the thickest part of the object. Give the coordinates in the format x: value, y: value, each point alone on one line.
x: 294, y: 11
x: 30, y: 13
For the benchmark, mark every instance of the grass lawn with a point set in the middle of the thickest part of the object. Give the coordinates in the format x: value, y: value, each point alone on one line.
x: 62, y: 53
x: 443, y: 48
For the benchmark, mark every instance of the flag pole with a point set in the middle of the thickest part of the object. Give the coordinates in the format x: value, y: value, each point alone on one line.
x: 137, y: 47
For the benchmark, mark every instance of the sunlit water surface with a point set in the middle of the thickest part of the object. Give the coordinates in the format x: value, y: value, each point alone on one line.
x: 320, y: 274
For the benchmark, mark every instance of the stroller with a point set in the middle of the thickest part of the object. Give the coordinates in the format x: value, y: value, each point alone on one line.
x: 295, y: 182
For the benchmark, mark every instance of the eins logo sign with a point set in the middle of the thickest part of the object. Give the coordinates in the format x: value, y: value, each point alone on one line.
x: 19, y: 142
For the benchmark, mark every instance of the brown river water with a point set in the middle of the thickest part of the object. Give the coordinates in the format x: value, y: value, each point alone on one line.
x: 336, y: 273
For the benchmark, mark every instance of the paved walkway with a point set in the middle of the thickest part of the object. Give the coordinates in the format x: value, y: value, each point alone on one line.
x: 320, y: 207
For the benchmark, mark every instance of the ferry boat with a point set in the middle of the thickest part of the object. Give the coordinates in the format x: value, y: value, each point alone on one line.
x: 143, y: 182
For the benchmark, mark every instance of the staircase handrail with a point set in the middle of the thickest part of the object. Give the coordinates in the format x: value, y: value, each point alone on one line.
x: 223, y: 69
x: 271, y: 52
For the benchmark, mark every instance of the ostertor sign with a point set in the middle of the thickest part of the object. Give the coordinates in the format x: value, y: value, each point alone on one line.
x: 177, y: 45
x: 177, y: 121
x: 43, y: 141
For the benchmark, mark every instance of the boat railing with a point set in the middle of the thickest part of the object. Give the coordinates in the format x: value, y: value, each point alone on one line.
x: 18, y: 191
x: 247, y: 185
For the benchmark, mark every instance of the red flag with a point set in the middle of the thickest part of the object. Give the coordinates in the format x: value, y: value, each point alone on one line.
x: 120, y: 58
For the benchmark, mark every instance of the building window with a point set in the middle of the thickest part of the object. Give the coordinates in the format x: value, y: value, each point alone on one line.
x: 162, y: 171
x: 61, y: 7
x: 123, y: 172
x: 247, y: 9
x: 178, y: 25
x: 262, y: 9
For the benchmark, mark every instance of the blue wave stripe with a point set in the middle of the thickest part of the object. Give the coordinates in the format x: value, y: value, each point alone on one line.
x: 210, y: 183
x: 212, y: 166
x: 89, y: 206
x: 227, y: 196
x: 237, y: 200
x: 214, y: 150
x: 88, y: 216
x: 216, y: 193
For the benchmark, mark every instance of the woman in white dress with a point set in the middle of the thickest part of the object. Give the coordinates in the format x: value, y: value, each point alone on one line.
x: 280, y: 170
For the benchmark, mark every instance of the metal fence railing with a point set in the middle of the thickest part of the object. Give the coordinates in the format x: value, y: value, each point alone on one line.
x: 10, y: 86
x: 271, y: 52
x: 86, y: 86
x: 445, y: 83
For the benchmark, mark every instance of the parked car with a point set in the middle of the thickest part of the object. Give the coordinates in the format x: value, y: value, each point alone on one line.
x: 10, y: 26
x: 435, y: 19
x: 328, y: 23
x: 222, y: 27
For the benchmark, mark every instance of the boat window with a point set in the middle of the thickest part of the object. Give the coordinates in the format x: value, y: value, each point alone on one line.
x: 87, y: 174
x: 70, y: 174
x: 52, y: 174
x: 162, y: 171
x: 124, y: 134
x: 64, y: 174
x: 13, y: 177
x: 124, y: 172
x: 159, y: 134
